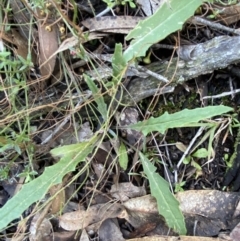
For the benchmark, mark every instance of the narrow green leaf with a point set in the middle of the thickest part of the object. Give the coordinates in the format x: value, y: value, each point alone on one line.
x: 123, y: 157
x: 33, y: 191
x: 184, y: 118
x: 102, y: 107
x: 119, y: 64
x: 201, y: 153
x: 163, y: 22
x: 196, y: 165
x: 167, y: 204
x: 187, y: 160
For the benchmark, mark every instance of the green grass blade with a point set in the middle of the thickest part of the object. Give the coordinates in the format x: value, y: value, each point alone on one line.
x: 33, y: 191
x: 167, y: 19
x: 98, y: 98
x: 119, y: 64
x: 184, y: 118
x: 123, y: 156
x: 167, y: 204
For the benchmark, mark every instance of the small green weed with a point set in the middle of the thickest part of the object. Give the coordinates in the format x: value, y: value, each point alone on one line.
x: 112, y: 3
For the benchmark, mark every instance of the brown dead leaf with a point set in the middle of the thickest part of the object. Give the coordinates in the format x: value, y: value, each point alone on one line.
x: 126, y: 190
x: 145, y: 204
x: 63, y: 236
x: 227, y: 14
x: 59, y: 198
x: 73, y: 41
x: 81, y: 219
x: 112, y: 24
x: 39, y: 232
x: 141, y: 231
x: 21, y: 45
x: 109, y: 231
x: 22, y: 17
x: 208, y: 211
x: 181, y: 147
x: 211, y: 210
x: 21, y: 34
x: 48, y: 45
x: 128, y: 116
x: 214, y: 204
x: 142, y: 211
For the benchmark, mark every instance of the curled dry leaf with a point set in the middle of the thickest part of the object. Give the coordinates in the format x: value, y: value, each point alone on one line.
x: 145, y: 204
x: 59, y: 198
x: 48, y: 45
x: 73, y: 41
x: 142, y: 211
x: 126, y: 190
x: 109, y: 230
x: 81, y: 219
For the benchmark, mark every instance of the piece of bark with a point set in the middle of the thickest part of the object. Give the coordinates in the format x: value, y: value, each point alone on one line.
x: 112, y: 24
x: 22, y: 17
x: 204, y: 58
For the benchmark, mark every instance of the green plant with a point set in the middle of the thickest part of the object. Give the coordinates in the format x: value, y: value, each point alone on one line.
x: 179, y: 186
x: 182, y: 118
x: 144, y: 35
x: 4, y: 172
x: 112, y: 3
x: 168, y: 206
x: 33, y: 191
x: 27, y: 174
x: 200, y: 153
x: 228, y: 2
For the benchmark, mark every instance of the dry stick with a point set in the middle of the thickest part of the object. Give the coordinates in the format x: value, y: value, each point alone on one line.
x: 104, y: 12
x: 155, y: 75
x: 200, y: 130
x: 66, y: 119
x: 222, y: 94
x: 164, y: 164
x: 218, y: 53
x: 231, y: 87
x: 213, y: 25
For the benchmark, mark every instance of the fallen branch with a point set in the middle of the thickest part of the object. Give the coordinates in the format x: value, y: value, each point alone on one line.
x: 193, y: 61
